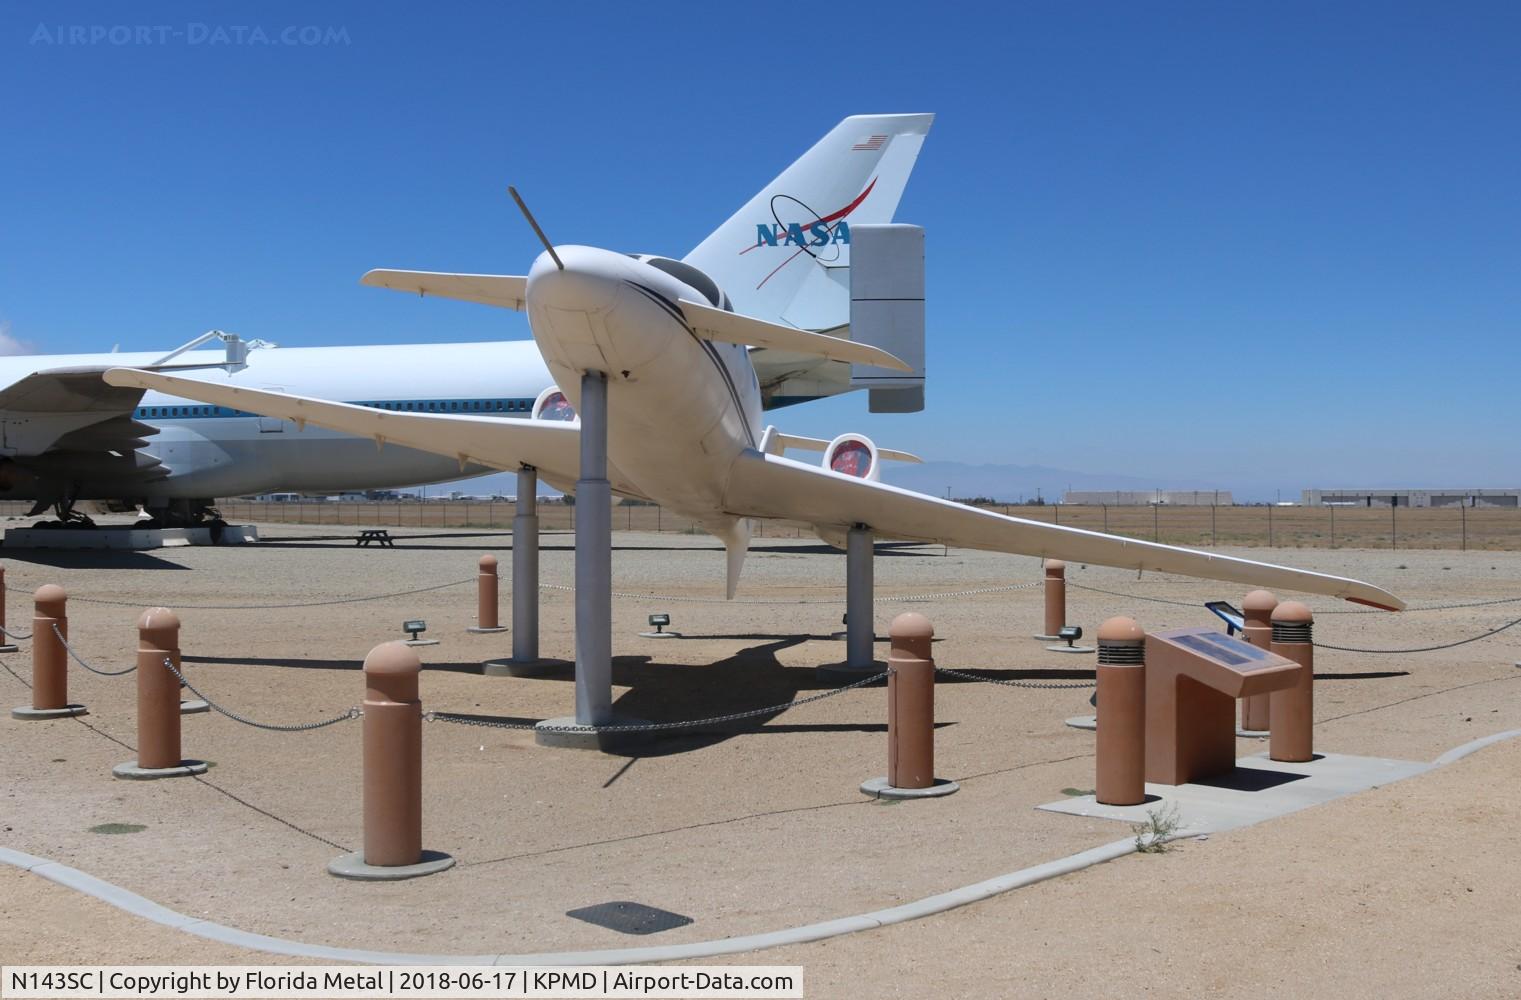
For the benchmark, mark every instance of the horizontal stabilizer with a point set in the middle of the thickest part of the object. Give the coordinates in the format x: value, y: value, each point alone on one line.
x: 731, y: 328
x: 508, y: 291
x: 783, y: 441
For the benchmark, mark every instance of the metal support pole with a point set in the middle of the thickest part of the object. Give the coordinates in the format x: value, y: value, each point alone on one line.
x: 1293, y: 711
x: 594, y: 560
x: 1120, y: 755
x: 525, y: 569
x: 860, y: 625
x: 1257, y: 612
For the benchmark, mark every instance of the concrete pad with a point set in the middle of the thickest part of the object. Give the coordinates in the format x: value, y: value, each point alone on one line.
x: 477, y: 630
x: 28, y: 714
x: 1090, y: 723
x: 184, y: 769
x: 878, y: 788
x: 531, y: 668
x: 352, y: 866
x: 1258, y: 789
x: 566, y: 733
x: 193, y: 706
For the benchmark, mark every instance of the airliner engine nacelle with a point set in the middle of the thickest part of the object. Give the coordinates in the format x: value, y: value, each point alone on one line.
x: 552, y: 405
x: 854, y: 455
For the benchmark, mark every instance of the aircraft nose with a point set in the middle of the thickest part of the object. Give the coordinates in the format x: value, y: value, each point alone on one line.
x: 588, y: 281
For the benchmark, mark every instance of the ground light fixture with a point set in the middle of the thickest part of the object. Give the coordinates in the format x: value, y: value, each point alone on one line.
x: 1070, y: 634
x: 658, y: 622
x: 416, y: 627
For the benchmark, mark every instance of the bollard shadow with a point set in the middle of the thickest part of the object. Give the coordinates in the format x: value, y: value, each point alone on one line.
x: 312, y: 663
x: 91, y: 559
x: 1365, y: 675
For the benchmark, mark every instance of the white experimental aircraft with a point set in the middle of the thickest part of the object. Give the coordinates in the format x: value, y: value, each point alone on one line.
x: 661, y: 351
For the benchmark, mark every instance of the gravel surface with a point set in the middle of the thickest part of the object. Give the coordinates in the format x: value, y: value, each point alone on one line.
x: 744, y: 828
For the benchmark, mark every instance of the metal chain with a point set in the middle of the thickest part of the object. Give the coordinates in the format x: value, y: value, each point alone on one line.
x: 1422, y: 649
x: 81, y: 660
x: 1137, y: 597
x: 650, y: 727
x: 352, y: 713
x: 300, y: 604
x: 15, y: 635
x: 1033, y: 685
x: 911, y: 598
x: 23, y: 680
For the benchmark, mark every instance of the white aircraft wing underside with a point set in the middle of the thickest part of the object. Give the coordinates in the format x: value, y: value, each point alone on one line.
x: 772, y: 486
x: 553, y: 447
x: 509, y: 291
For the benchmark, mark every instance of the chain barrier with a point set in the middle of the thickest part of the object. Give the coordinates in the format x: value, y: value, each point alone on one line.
x: 651, y: 727
x: 302, y: 727
x: 1033, y: 685
x: 81, y: 660
x: 282, y: 607
x: 1423, y: 649
x: 911, y: 598
x: 26, y: 683
x: 15, y: 635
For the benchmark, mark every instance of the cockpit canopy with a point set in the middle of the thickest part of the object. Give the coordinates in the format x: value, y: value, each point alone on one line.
x: 689, y: 275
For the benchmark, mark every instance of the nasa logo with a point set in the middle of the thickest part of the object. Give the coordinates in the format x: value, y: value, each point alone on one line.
x: 795, y: 234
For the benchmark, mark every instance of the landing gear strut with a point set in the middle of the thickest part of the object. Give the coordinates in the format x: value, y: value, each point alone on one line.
x: 63, y: 507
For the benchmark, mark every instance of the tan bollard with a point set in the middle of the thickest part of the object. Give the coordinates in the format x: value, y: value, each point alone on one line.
x: 392, y: 773
x: 910, y: 715
x: 1257, y: 610
x: 1056, y: 599
x: 1293, y: 711
x: 50, y: 661
x: 158, y: 702
x: 487, y: 616
x: 1120, y: 767
x: 6, y: 646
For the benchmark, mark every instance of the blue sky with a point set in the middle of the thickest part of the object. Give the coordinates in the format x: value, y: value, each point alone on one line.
x: 1260, y: 245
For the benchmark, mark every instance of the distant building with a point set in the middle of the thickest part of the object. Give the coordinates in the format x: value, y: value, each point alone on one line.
x: 1412, y: 498
x: 1143, y: 498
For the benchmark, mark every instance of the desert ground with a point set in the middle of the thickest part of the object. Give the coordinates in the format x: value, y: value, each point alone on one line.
x: 1407, y: 890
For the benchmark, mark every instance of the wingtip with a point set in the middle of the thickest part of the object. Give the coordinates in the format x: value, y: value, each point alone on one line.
x: 1398, y: 604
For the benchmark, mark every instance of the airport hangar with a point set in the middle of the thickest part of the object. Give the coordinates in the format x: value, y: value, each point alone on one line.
x: 1412, y: 498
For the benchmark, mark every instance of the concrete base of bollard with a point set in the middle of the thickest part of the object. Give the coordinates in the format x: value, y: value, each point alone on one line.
x: 840, y: 674
x: 1064, y: 648
x: 132, y: 772
x: 352, y: 866
x: 193, y: 706
x: 526, y: 668
x: 27, y: 712
x: 878, y: 788
x: 566, y: 733
x: 477, y: 630
x: 1047, y: 638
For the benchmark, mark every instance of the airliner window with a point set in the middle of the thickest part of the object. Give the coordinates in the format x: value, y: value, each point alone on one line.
x: 691, y: 276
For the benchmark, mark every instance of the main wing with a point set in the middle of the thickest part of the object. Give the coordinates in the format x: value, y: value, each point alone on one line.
x: 509, y: 291
x: 551, y: 446
x: 772, y: 486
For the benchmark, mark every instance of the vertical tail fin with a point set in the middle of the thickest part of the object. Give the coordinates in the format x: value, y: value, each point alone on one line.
x: 784, y: 256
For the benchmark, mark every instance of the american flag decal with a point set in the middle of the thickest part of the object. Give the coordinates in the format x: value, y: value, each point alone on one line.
x: 871, y: 142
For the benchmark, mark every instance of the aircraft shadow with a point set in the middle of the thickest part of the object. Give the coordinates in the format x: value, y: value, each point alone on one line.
x: 991, y: 674
x: 91, y: 559
x: 1365, y: 675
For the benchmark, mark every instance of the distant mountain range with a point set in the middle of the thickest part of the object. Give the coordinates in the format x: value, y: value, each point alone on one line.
x: 1014, y: 483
